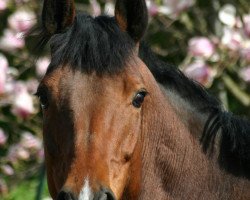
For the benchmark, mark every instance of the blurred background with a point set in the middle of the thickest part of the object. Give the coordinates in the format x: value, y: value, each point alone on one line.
x: 208, y: 40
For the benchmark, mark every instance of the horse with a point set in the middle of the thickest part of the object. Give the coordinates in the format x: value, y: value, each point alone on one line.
x: 118, y: 123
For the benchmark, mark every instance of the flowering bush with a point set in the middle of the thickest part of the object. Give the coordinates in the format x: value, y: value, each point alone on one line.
x: 20, y: 124
x: 209, y: 40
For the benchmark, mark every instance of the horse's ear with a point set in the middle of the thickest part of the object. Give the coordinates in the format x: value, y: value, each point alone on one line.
x: 57, y: 15
x: 132, y: 17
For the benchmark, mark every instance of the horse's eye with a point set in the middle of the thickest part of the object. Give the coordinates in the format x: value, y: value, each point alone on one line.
x: 139, y: 98
x: 43, y: 98
x: 44, y: 101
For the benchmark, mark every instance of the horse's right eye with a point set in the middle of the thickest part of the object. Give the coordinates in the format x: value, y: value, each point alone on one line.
x: 42, y: 94
x: 44, y: 101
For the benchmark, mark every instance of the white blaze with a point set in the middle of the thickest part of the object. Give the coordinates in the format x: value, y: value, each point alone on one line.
x: 86, y: 193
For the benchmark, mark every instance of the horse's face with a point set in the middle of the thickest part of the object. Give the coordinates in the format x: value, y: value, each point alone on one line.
x: 91, y: 130
x: 92, y: 118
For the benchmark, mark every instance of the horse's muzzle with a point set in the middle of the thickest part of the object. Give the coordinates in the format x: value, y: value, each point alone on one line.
x: 103, y: 194
x: 63, y: 195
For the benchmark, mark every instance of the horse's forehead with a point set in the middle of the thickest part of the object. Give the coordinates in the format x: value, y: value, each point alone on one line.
x: 65, y: 77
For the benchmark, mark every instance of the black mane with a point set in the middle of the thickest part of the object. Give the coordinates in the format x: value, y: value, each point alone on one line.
x: 234, y: 147
x: 90, y: 44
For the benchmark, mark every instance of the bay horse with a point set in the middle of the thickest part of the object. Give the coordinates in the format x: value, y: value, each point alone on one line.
x: 118, y: 123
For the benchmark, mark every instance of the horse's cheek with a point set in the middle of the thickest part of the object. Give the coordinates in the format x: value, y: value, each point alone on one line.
x: 131, y: 136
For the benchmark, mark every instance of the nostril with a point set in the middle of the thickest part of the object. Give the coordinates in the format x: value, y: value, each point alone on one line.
x: 65, y: 196
x: 104, y: 194
x: 110, y: 195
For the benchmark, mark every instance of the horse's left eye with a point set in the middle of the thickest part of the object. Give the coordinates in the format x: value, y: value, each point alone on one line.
x: 139, y: 98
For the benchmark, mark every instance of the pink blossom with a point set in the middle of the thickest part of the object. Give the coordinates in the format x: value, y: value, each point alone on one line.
x: 23, y: 154
x: 23, y: 102
x: 7, y: 170
x: 3, y: 137
x: 29, y: 141
x: 201, y: 46
x: 152, y: 8
x: 245, y: 53
x: 109, y: 8
x: 227, y: 15
x: 238, y: 24
x: 32, y: 85
x: 42, y: 65
x: 173, y: 8
x: 246, y: 21
x: 96, y: 8
x: 232, y: 39
x: 12, y: 153
x: 21, y: 1
x: 245, y: 74
x: 3, y: 72
x: 22, y: 20
x: 200, y: 72
x: 8, y: 86
x: 10, y: 41
x: 3, y: 4
x: 18, y: 152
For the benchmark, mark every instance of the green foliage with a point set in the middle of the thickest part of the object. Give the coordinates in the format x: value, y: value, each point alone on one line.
x: 26, y: 190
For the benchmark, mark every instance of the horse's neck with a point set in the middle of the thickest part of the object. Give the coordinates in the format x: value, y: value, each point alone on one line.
x: 174, y: 165
x: 193, y: 119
